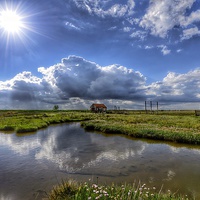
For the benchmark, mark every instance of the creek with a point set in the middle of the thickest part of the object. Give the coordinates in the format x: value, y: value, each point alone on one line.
x: 31, y: 164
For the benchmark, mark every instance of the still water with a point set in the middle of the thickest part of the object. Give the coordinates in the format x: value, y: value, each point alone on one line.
x: 31, y: 164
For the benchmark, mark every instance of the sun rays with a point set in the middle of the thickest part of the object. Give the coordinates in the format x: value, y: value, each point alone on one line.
x: 10, y: 21
x: 17, y: 26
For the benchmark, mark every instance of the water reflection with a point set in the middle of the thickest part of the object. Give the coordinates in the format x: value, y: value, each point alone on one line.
x: 73, y: 150
x: 36, y: 160
x: 18, y: 145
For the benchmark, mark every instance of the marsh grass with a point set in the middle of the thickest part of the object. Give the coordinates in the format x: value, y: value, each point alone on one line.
x: 71, y: 190
x: 175, y: 126
x: 31, y: 121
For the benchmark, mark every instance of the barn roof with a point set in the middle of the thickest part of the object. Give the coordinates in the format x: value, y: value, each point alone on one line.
x: 97, y: 105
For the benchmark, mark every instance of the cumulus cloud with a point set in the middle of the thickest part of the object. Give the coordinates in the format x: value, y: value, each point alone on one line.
x: 22, y: 87
x: 77, y: 77
x: 164, y: 15
x: 76, y: 83
x: 106, y: 7
x: 177, y: 87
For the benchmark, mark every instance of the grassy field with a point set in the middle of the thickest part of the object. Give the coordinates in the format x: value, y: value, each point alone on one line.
x: 30, y: 121
x: 175, y: 126
x: 71, y: 190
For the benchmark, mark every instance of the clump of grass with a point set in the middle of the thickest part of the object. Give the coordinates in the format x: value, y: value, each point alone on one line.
x: 66, y: 190
x: 7, y: 128
x: 168, y: 128
x: 26, y: 129
x: 30, y: 121
x: 71, y: 190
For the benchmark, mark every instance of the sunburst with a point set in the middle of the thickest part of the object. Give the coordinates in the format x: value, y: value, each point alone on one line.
x: 17, y: 23
x: 11, y: 21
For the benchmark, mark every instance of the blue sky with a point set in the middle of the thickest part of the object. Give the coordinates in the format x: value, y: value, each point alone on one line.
x: 76, y: 52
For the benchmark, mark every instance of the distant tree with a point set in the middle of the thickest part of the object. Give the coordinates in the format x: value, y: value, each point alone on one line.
x: 56, y: 107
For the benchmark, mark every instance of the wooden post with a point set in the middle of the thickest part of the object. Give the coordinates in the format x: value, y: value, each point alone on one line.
x: 145, y: 105
x: 151, y: 106
x: 157, y: 106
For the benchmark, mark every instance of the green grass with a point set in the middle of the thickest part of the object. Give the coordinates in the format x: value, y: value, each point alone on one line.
x: 71, y: 190
x: 175, y: 126
x: 30, y: 121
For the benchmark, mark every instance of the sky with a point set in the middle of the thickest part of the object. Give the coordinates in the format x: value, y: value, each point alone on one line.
x: 73, y: 53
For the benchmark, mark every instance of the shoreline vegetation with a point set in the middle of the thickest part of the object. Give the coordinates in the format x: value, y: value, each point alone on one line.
x: 179, y: 127
x: 72, y: 190
x: 173, y: 126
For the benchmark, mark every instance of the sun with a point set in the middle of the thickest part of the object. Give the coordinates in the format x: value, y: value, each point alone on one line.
x: 18, y: 25
x: 10, y: 21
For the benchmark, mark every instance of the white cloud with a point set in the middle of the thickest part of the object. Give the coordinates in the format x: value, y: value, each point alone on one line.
x: 179, y: 50
x: 106, y: 8
x: 133, y: 21
x: 192, y: 18
x: 163, y: 15
x: 139, y: 34
x: 148, y: 47
x: 76, y: 83
x: 177, y: 87
x: 69, y: 25
x: 77, y: 77
x: 71, y: 83
x: 112, y: 28
x: 127, y: 29
x: 189, y: 33
x: 164, y: 49
x: 160, y: 18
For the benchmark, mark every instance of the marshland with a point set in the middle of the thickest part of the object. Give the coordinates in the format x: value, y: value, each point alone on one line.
x: 175, y: 126
x: 123, y: 154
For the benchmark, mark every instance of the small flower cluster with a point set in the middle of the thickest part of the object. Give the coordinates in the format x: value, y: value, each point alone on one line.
x: 89, y: 191
x: 98, y: 192
x: 145, y: 191
x: 123, y: 192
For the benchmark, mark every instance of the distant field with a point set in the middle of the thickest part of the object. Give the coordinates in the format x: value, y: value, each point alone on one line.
x: 176, y: 126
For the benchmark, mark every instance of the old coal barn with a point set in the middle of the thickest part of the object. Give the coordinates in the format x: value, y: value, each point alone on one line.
x: 95, y: 107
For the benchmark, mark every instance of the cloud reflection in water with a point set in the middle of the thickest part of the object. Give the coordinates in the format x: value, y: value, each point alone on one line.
x: 74, y: 150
